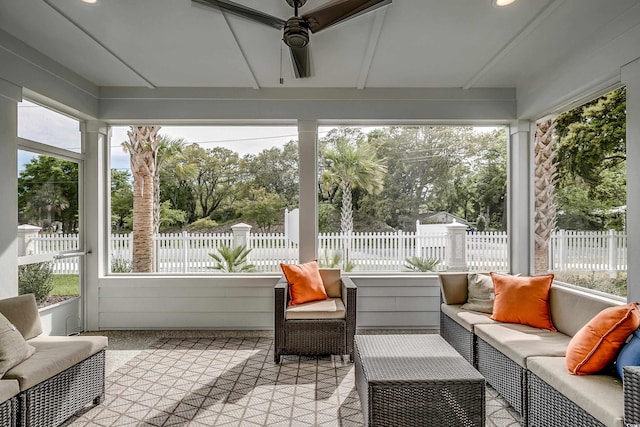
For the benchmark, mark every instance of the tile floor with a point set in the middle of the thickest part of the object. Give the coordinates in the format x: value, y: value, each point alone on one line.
x: 151, y: 382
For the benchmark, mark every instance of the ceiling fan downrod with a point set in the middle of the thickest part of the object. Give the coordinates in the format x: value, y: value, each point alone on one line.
x: 296, y: 4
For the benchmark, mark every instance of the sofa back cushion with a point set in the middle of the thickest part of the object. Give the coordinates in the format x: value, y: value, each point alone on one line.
x: 331, y: 281
x: 453, y: 287
x: 571, y: 309
x: 480, y: 293
x: 22, y: 311
x: 13, y: 347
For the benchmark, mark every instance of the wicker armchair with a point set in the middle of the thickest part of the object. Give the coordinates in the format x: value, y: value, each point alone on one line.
x: 315, y: 334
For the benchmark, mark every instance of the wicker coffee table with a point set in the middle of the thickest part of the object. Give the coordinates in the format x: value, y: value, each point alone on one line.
x: 411, y: 380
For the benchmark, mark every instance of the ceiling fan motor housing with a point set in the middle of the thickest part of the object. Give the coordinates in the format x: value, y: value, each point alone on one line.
x: 296, y: 32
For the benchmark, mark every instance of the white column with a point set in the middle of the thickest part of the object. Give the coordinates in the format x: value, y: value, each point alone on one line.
x: 26, y: 234
x: 455, y: 255
x: 631, y: 78
x: 308, y: 169
x: 10, y: 95
x: 241, y: 234
x: 96, y: 204
x: 519, y: 196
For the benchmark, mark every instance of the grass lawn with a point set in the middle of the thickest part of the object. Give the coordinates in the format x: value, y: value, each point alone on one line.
x: 65, y: 284
x: 615, y: 284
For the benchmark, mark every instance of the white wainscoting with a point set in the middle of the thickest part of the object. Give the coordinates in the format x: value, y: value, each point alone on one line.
x: 246, y: 303
x: 62, y: 318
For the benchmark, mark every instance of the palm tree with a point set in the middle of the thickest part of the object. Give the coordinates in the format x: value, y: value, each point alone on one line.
x: 353, y: 166
x: 232, y: 260
x: 143, y: 150
x: 46, y: 201
x: 545, y: 179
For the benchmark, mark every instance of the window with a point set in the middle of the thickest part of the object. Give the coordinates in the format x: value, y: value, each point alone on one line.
x: 43, y: 125
x: 387, y: 195
x: 581, y: 195
x: 224, y: 201
x: 49, y: 173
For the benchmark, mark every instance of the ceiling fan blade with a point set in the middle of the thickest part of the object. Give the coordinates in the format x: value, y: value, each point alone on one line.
x: 244, y: 12
x: 339, y: 11
x: 301, y: 63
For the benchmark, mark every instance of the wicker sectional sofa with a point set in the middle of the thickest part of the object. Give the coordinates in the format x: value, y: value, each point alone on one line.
x: 60, y: 378
x: 527, y: 366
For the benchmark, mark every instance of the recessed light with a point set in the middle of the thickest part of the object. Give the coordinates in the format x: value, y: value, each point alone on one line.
x: 90, y: 1
x: 502, y: 3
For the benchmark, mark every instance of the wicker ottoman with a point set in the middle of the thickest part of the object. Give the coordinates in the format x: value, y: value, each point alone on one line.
x: 409, y: 380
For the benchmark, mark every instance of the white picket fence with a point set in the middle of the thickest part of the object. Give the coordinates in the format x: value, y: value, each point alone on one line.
x: 189, y: 253
x: 487, y: 251
x: 588, y: 251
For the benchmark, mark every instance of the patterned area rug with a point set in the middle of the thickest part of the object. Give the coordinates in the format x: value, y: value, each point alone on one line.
x: 234, y: 382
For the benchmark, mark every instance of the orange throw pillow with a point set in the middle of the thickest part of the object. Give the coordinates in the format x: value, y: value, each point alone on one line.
x: 305, y: 282
x: 521, y: 299
x: 594, y: 346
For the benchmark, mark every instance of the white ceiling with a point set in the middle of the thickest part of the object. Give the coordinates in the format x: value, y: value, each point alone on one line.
x: 409, y: 44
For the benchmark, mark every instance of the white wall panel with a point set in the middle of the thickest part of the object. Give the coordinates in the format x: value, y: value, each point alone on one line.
x: 408, y: 302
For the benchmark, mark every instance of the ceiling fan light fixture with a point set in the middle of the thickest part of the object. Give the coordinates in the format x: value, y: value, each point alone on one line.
x: 296, y: 33
x: 502, y: 3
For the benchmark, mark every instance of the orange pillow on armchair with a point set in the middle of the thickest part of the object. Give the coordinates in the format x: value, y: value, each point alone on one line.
x: 521, y: 299
x: 305, y: 282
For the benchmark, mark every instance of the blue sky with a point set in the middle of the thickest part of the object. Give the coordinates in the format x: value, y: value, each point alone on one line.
x: 242, y: 139
x: 43, y: 125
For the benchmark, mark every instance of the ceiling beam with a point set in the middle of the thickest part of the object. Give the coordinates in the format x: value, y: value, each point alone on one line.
x: 254, y: 81
x: 99, y: 43
x: 374, y: 37
x: 544, y: 13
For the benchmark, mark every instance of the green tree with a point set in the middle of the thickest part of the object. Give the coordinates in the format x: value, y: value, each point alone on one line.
x: 591, y: 163
x: 170, y: 217
x: 177, y: 178
x: 168, y: 149
x: 440, y: 168
x: 215, y: 179
x: 121, y: 199
x: 265, y: 209
x: 592, y: 137
x: 275, y: 170
x: 48, y: 192
x: 490, y: 178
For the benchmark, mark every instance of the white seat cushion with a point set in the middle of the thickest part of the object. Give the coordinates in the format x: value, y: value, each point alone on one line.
x: 465, y: 318
x: 331, y: 308
x: 54, y: 355
x: 599, y: 395
x: 518, y: 342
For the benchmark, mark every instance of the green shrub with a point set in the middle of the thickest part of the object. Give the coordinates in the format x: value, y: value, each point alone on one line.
x: 335, y: 261
x: 202, y: 224
x: 596, y: 280
x: 36, y: 279
x: 232, y: 260
x: 121, y: 265
x: 415, y: 263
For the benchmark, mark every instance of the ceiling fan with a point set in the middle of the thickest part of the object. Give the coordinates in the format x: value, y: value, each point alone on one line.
x: 296, y: 28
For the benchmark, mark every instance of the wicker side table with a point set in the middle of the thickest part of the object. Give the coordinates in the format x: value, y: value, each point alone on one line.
x: 409, y: 380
